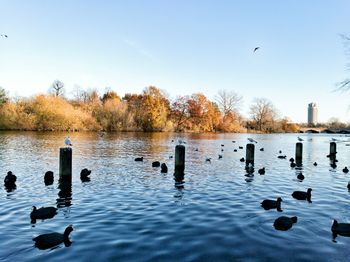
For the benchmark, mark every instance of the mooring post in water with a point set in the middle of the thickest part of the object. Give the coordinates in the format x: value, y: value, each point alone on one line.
x: 65, y: 162
x: 299, y: 154
x: 179, y: 173
x: 249, y: 157
x: 332, y: 151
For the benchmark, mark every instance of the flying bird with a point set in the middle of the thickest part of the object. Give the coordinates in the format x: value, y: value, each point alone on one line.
x: 4, y: 36
x: 300, y: 139
x: 256, y: 48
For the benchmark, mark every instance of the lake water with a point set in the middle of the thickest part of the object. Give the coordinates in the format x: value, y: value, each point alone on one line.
x: 129, y: 211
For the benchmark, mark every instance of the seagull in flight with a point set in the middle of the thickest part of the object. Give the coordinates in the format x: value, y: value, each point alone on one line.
x: 256, y: 49
x: 251, y: 140
x: 300, y: 139
x: 4, y: 36
x: 67, y: 141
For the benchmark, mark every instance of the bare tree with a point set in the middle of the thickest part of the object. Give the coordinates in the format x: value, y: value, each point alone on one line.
x: 3, y: 96
x: 345, y: 84
x: 263, y: 113
x: 57, y: 88
x: 334, y: 122
x: 228, y: 102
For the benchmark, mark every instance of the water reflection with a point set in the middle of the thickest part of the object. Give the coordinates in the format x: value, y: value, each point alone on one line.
x: 65, y: 194
x: 179, y: 194
x: 223, y: 199
x: 10, y: 187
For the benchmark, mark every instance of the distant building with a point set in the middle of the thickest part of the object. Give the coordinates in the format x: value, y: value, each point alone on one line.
x: 312, y: 114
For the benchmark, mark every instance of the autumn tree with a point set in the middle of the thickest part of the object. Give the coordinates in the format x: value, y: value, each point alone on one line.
x: 203, y: 114
x: 263, y: 113
x: 179, y: 113
x: 113, y: 114
x: 110, y: 94
x: 57, y: 88
x: 154, y: 109
x: 134, y: 102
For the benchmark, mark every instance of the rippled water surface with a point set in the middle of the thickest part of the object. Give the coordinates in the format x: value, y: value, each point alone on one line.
x: 129, y: 211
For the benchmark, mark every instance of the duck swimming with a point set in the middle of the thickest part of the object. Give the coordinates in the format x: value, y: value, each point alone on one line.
x: 163, y: 168
x: 48, y: 178
x: 10, y: 179
x: 268, y: 204
x: 301, y: 195
x: 342, y: 229
x: 284, y: 223
x: 84, y: 175
x: 50, y: 240
x: 261, y: 171
x: 156, y: 164
x: 43, y: 213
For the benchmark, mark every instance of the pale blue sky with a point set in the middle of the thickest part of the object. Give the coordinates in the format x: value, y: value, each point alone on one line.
x: 182, y: 47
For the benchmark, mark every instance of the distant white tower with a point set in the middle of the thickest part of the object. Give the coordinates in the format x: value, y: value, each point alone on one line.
x: 312, y: 114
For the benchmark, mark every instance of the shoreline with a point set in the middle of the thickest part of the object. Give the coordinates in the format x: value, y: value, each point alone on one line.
x: 343, y: 131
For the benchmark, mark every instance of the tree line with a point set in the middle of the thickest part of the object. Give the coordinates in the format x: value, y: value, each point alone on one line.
x: 149, y: 111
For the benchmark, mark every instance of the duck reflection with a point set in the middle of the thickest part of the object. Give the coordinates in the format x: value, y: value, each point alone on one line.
x: 10, y: 187
x: 65, y: 194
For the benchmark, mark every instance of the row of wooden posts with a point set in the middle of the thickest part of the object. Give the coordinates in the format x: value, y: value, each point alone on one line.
x: 65, y: 168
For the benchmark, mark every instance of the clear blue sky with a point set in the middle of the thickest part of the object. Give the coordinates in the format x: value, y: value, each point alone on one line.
x: 182, y: 47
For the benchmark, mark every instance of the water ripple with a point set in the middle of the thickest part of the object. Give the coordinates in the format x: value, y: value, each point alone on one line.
x: 129, y: 211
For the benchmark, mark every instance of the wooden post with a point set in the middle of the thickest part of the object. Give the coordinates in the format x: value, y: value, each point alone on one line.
x: 249, y: 156
x: 179, y: 164
x: 66, y: 163
x: 332, y: 151
x: 299, y: 154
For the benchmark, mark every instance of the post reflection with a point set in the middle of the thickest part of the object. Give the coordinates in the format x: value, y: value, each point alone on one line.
x: 179, y: 193
x: 65, y: 193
